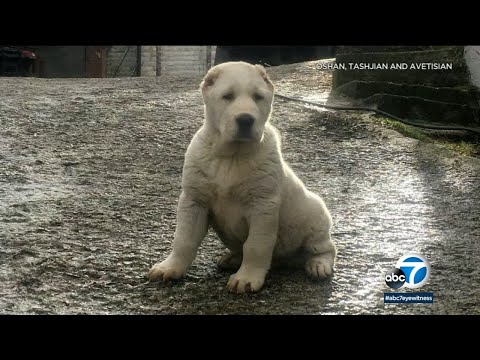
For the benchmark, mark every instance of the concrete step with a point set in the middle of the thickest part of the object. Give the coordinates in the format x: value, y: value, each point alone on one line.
x: 423, y: 110
x: 374, y: 49
x: 468, y: 95
x: 442, y: 96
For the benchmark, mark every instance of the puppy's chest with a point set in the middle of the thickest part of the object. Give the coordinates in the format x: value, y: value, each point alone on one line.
x: 230, y: 181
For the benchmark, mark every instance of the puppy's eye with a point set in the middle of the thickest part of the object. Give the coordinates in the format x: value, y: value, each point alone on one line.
x: 228, y: 96
x: 258, y: 97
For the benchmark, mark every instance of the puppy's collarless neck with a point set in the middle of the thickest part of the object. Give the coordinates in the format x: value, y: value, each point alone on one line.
x: 236, y: 149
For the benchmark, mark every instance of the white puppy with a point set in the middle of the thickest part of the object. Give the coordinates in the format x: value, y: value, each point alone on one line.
x: 235, y: 180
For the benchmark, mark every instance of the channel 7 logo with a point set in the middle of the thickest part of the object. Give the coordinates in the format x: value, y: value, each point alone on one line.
x: 411, y: 271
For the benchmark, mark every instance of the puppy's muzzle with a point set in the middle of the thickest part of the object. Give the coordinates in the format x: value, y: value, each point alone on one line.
x: 244, y: 124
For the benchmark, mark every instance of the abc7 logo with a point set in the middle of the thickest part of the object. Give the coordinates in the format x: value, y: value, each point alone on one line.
x: 395, y: 278
x: 412, y: 270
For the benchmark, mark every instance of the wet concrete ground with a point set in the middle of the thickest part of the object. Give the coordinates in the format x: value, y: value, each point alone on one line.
x: 90, y: 174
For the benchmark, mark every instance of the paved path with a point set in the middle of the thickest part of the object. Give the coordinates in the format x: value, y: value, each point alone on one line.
x: 89, y: 178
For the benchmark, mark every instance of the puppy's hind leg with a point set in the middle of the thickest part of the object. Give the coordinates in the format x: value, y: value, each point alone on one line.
x: 230, y: 261
x: 321, y: 254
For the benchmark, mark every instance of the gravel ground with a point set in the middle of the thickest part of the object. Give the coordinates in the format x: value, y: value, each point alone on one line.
x: 90, y: 174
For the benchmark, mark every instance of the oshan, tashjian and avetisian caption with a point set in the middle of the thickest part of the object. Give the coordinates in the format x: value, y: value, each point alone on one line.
x: 385, y: 66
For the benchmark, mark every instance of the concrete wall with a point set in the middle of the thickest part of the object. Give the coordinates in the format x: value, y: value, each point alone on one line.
x: 114, y: 59
x: 472, y: 58
x: 184, y: 60
x: 161, y: 60
x: 149, y: 61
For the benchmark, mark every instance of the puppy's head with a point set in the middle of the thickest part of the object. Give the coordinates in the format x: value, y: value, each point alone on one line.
x: 238, y: 101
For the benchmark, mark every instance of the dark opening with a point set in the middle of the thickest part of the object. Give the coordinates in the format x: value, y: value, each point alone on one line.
x: 272, y: 55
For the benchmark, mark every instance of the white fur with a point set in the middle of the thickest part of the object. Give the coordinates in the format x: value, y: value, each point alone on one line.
x: 245, y: 190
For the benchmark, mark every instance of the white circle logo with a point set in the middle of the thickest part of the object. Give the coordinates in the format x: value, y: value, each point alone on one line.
x: 416, y: 269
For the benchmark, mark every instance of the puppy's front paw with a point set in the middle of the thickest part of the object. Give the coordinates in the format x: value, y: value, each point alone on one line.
x: 167, y: 270
x: 245, y: 281
x: 319, y: 267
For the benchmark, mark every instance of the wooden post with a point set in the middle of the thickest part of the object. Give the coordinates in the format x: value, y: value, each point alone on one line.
x: 96, y: 61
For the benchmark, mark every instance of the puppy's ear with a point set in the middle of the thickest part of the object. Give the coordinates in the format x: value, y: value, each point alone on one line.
x: 264, y: 74
x: 210, y: 79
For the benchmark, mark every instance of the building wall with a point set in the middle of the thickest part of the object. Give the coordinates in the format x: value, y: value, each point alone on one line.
x: 212, y: 58
x: 160, y: 60
x: 149, y: 61
x: 472, y: 58
x: 184, y: 60
x: 114, y: 61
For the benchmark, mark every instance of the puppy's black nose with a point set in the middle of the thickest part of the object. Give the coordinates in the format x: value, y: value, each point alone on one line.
x: 245, y: 121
